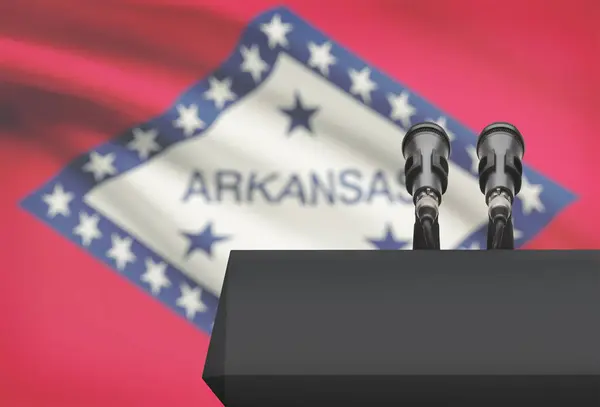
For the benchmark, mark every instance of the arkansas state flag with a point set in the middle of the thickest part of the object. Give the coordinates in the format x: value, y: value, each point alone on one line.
x: 142, y: 140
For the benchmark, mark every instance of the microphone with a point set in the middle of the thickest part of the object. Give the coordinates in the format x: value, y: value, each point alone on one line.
x: 500, y: 149
x: 426, y: 149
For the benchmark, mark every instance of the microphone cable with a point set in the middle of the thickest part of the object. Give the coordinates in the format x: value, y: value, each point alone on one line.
x: 427, y: 226
x: 500, y: 210
x: 427, y: 211
x: 499, y: 225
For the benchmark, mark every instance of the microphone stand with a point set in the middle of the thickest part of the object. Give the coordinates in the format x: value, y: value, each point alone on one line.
x: 508, y: 240
x: 419, y: 241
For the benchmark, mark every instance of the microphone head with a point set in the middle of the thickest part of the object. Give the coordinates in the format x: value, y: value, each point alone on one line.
x: 426, y: 148
x: 500, y: 149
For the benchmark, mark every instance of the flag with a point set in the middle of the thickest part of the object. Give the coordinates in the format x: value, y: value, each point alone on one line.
x: 143, y: 140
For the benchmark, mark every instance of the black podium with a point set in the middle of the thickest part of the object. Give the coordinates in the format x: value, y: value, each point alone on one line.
x: 408, y: 328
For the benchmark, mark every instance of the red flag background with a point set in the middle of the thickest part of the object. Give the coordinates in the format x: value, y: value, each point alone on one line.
x: 74, y: 73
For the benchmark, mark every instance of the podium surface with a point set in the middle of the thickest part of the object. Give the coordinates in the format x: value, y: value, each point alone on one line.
x: 310, y: 328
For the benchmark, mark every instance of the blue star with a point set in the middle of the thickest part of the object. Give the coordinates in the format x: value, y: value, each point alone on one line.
x: 388, y: 242
x: 203, y: 240
x: 299, y: 115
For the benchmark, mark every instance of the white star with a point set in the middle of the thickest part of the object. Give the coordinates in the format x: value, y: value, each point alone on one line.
x: 120, y: 251
x: 530, y: 197
x: 473, y: 246
x: 190, y: 301
x: 362, y: 85
x: 144, y: 142
x: 253, y: 63
x: 58, y: 201
x: 155, y: 276
x: 219, y: 92
x: 188, y: 120
x: 517, y: 234
x: 276, y: 31
x: 320, y: 57
x: 100, y: 165
x: 401, y: 109
x: 442, y: 122
x: 87, y: 228
x: 474, y: 159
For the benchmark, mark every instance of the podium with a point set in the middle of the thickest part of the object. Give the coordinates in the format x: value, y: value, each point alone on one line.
x: 407, y: 328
